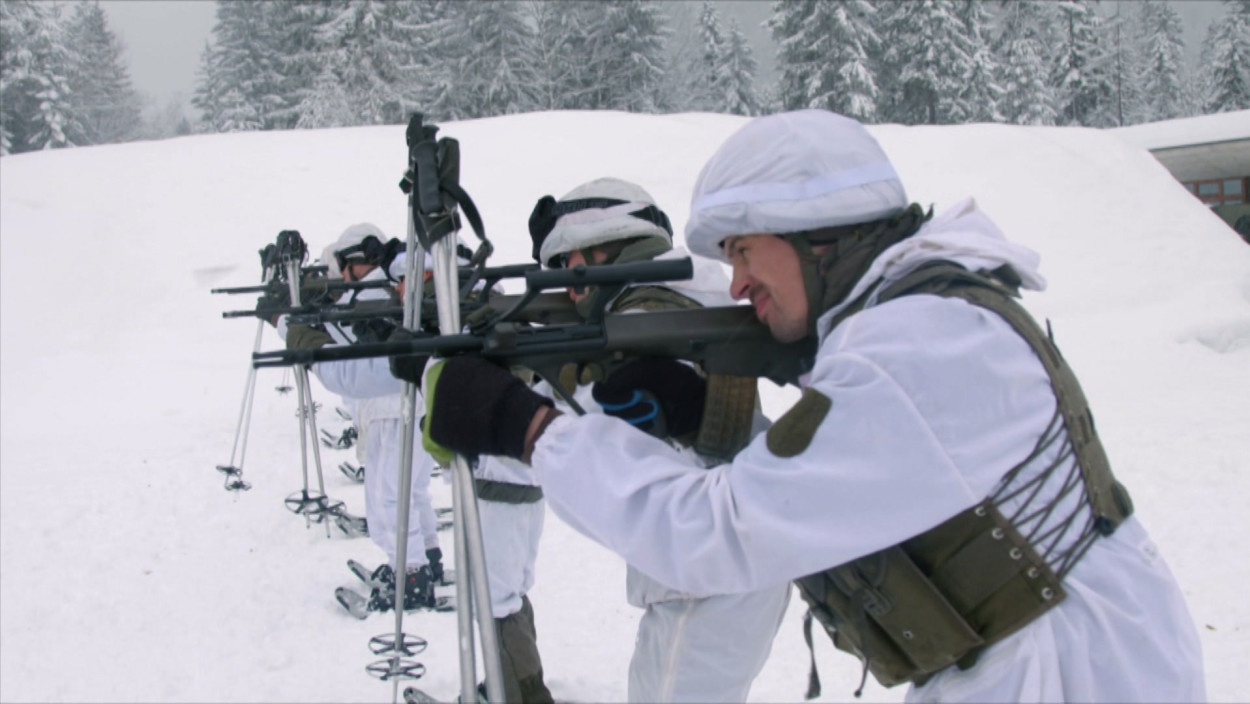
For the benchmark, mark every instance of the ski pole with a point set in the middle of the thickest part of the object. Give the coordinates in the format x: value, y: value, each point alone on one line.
x: 408, y: 403
x: 245, y: 421
x: 434, y: 172
x: 293, y: 251
x: 468, y: 528
x: 269, y: 273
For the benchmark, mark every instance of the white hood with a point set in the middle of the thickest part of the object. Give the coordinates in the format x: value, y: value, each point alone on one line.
x: 963, y: 235
x: 791, y: 172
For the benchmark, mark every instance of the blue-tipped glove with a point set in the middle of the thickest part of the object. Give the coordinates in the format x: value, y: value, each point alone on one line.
x: 660, y: 396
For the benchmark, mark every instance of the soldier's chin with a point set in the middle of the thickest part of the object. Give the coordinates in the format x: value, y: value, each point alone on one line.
x: 786, y: 331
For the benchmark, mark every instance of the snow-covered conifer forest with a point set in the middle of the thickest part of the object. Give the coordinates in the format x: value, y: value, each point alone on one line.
x: 336, y: 63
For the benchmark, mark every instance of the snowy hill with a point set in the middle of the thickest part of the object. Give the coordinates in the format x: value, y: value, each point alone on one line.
x: 129, y: 574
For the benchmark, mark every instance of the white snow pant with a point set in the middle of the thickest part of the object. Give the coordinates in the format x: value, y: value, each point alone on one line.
x: 700, y: 649
x: 382, y: 456
x: 510, y: 534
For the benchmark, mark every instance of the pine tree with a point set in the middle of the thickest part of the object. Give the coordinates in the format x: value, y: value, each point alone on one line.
x: 1227, y: 49
x: 561, y: 54
x: 703, y: 93
x: 430, y: 68
x: 630, y: 70
x: 104, y: 102
x: 1124, y: 70
x: 36, y: 108
x: 797, y: 60
x: 723, y: 79
x: 365, y: 44
x: 241, y: 71
x: 325, y: 104
x: 980, y: 92
x: 847, y: 82
x: 735, y: 80
x: 929, y: 57
x: 1026, y: 29
x: 1163, y: 59
x: 595, y: 55
x: 824, y: 56
x: 1079, y: 72
x: 492, y: 62
x: 302, y: 64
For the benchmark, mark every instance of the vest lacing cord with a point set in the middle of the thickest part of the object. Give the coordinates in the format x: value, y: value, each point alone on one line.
x: 1047, y: 543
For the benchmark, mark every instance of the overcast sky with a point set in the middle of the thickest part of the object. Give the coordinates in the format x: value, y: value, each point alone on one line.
x: 164, y: 39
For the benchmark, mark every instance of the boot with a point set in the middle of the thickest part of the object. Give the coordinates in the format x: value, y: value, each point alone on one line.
x: 435, y: 556
x: 419, y: 589
x: 382, y: 598
x: 518, y: 657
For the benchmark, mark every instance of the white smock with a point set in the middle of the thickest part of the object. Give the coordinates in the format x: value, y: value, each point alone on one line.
x: 934, y: 400
x: 375, y: 401
x: 697, y: 648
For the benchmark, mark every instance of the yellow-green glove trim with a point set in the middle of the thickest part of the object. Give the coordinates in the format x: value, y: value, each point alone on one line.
x: 440, y: 454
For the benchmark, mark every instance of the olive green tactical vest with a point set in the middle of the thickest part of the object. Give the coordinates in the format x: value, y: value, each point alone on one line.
x: 942, y: 597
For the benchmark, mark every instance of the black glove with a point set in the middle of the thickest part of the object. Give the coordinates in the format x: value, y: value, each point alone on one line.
x: 477, y: 408
x: 374, y: 330
x: 661, y: 396
x: 407, y: 367
x: 275, y: 299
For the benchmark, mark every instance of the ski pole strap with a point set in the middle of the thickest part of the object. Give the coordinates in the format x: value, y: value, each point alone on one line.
x: 290, y: 246
x: 433, y: 186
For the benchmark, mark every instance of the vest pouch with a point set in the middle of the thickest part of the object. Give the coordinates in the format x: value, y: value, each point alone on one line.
x: 883, y: 609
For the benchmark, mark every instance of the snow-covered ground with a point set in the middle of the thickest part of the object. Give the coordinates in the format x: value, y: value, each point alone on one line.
x: 128, y: 574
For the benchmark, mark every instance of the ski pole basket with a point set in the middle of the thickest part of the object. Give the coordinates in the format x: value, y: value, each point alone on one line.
x: 234, y: 478
x: 316, y: 507
x: 396, y: 667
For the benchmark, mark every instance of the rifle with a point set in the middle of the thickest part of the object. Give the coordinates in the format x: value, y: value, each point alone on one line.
x: 723, y: 340
x: 308, y: 271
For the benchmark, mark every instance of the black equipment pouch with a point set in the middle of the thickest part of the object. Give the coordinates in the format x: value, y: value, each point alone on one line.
x: 942, y: 597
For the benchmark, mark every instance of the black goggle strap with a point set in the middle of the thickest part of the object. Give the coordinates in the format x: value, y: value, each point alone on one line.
x: 370, y: 250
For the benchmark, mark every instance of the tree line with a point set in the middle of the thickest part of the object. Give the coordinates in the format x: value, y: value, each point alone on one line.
x: 313, y: 63
x: 333, y: 63
x: 62, y: 79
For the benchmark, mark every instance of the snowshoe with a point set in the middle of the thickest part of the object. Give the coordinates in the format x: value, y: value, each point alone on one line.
x: 352, y: 526
x: 352, y: 472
